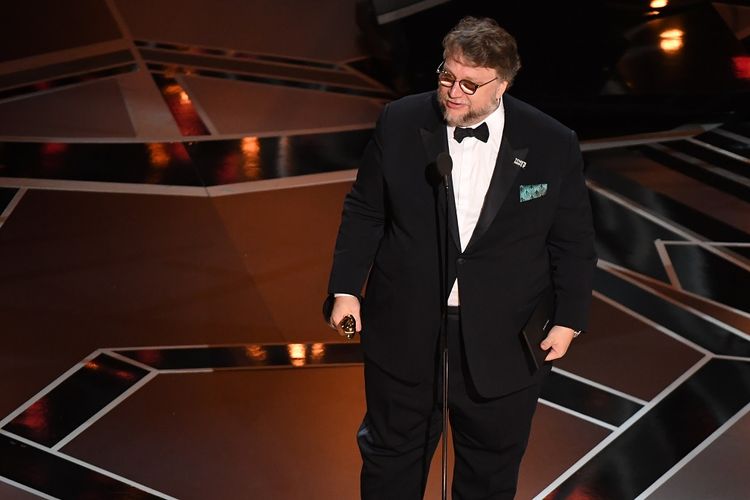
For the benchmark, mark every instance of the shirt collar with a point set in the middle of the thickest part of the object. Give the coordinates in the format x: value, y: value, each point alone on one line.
x: 495, y: 122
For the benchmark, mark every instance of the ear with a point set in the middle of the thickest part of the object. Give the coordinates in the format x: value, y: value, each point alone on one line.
x: 501, y: 89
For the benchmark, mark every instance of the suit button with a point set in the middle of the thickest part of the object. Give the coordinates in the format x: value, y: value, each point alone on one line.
x: 460, y: 261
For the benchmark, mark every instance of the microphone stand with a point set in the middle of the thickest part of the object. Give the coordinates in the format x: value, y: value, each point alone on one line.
x: 444, y: 165
x: 444, y: 346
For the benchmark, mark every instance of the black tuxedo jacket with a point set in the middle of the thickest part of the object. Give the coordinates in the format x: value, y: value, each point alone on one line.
x: 391, y: 238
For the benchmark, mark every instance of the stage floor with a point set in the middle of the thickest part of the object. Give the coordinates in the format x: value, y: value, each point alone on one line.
x: 166, y: 234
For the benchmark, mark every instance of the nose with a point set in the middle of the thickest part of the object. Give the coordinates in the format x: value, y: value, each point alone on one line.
x: 455, y: 90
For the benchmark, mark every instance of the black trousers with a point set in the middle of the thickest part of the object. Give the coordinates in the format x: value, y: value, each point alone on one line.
x: 402, y: 427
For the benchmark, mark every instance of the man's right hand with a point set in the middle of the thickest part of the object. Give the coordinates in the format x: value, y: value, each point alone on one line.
x: 343, y: 306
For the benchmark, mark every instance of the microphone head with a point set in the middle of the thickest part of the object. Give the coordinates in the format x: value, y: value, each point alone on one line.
x: 444, y: 164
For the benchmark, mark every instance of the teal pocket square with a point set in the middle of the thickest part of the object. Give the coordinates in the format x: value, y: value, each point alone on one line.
x: 531, y: 191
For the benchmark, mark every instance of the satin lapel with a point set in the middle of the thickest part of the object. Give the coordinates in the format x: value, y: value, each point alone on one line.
x: 435, y: 140
x: 503, y: 178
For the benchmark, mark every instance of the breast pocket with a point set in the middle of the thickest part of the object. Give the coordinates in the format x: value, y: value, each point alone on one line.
x: 529, y: 206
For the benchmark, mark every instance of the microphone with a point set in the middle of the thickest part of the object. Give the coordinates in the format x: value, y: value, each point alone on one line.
x: 444, y: 166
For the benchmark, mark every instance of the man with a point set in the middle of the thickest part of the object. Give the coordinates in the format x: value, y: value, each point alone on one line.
x: 519, y: 222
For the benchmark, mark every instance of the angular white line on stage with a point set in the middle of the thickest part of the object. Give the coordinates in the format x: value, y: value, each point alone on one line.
x: 708, y: 243
x: 297, y: 181
x: 624, y: 427
x: 666, y: 262
x: 188, y: 370
x: 633, y: 207
x: 622, y: 270
x: 197, y: 106
x: 666, y: 223
x: 582, y: 416
x: 26, y: 488
x: 733, y: 358
x: 12, y: 205
x: 694, y: 453
x: 206, y: 346
x: 719, y: 150
x: 87, y: 465
x: 603, y: 387
x: 676, y: 134
x: 98, y: 415
x: 652, y: 324
x: 679, y: 304
x: 712, y: 247
x: 103, y: 187
x: 48, y: 388
x: 732, y: 135
x: 696, y: 162
x: 128, y: 360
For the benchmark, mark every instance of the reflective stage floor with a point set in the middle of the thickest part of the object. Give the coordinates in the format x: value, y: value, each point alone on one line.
x: 169, y: 199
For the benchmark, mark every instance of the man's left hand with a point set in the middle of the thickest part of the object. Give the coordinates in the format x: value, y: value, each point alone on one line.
x: 558, y: 340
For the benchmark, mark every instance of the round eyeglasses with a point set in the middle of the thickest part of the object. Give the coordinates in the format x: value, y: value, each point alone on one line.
x: 467, y: 86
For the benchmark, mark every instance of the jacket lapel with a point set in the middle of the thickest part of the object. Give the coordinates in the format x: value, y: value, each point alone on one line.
x: 504, y: 175
x: 435, y: 141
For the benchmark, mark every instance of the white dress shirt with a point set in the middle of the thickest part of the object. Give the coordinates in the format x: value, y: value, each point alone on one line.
x: 473, y: 166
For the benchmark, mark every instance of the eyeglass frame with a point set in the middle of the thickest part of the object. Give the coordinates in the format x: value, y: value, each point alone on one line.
x: 441, y: 71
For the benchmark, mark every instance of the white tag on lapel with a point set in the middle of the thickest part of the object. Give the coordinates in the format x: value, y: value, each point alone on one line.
x: 519, y: 162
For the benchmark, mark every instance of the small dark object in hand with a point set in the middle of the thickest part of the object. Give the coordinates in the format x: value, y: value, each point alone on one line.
x: 349, y: 326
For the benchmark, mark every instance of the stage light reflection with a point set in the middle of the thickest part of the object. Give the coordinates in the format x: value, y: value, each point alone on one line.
x: 659, y: 4
x: 179, y: 152
x: 181, y: 106
x: 673, y: 33
x: 36, y: 419
x: 93, y: 365
x: 250, y: 147
x: 54, y: 148
x: 96, y: 366
x: 124, y: 375
x: 53, y: 156
x: 158, y: 155
x: 317, y: 352
x: 741, y: 66
x: 172, y: 89
x: 671, y: 40
x: 297, y: 354
x: 671, y: 45
x: 151, y: 357
x: 256, y: 352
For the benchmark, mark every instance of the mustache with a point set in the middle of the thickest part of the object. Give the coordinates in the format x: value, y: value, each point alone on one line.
x: 444, y: 109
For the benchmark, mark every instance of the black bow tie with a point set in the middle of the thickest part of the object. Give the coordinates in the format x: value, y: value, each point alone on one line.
x: 482, y: 133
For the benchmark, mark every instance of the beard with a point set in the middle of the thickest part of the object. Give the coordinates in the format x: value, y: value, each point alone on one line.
x: 470, y: 117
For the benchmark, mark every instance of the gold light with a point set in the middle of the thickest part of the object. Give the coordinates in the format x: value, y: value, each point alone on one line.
x: 250, y: 147
x: 659, y: 4
x: 256, y: 352
x: 317, y: 351
x: 671, y: 44
x: 297, y: 354
x: 158, y: 155
x: 673, y: 33
x: 671, y: 40
x: 172, y: 89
